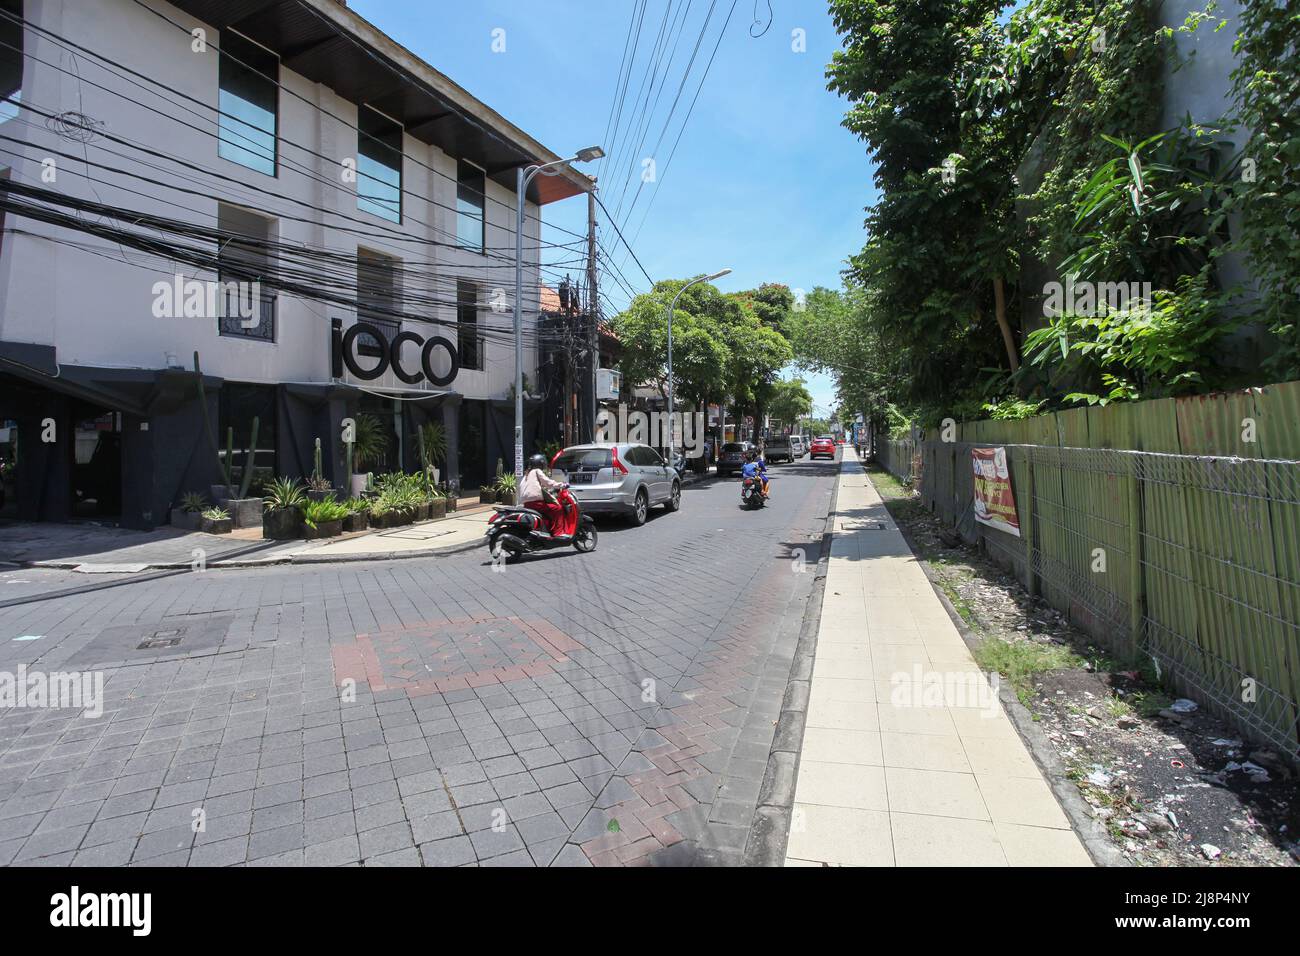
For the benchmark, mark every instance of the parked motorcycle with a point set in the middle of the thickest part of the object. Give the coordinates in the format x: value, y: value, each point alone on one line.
x: 514, y: 530
x: 751, y: 493
x: 679, y: 465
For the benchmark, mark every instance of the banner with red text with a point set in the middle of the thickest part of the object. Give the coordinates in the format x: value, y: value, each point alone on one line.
x: 995, y: 505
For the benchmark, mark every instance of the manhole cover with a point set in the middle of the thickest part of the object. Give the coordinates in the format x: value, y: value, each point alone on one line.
x: 156, y: 642
x: 156, y: 639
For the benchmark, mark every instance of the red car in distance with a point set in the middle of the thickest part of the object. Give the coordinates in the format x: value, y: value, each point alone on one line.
x: 822, y: 447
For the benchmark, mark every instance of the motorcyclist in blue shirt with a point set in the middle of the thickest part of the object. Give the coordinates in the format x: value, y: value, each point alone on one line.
x: 756, y: 467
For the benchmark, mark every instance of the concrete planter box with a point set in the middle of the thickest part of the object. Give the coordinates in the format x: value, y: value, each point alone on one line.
x: 450, y: 502
x: 284, y: 524
x: 422, y: 511
x: 321, y: 495
x: 438, y: 508
x: 244, y: 512
x: 218, y: 525
x: 325, y: 529
x: 356, y: 522
x: 358, y: 485
x: 220, y: 492
x: 507, y: 497
x: 390, y: 519
x: 487, y: 496
x: 186, y: 520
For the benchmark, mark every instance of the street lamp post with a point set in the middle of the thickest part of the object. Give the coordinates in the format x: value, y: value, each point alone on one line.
x: 672, y: 422
x: 525, y: 175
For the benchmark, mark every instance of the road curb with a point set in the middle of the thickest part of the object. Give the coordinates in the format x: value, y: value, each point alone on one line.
x: 769, y: 832
x: 1087, y: 827
x: 235, y: 564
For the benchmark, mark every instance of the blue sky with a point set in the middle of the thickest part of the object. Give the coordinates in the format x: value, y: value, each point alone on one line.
x: 764, y: 179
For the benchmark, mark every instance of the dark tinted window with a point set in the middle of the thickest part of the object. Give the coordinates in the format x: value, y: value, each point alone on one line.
x: 377, y: 299
x: 652, y: 457
x: 11, y: 57
x: 468, y: 342
x: 731, y: 447
x: 470, y: 183
x: 247, y: 103
x: 379, y: 165
x: 576, y: 458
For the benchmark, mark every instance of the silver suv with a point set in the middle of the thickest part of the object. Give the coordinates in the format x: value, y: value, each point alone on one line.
x: 627, y: 479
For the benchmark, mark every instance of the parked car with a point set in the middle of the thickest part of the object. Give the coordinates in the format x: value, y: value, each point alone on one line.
x: 822, y: 447
x: 798, y: 447
x: 626, y: 479
x: 778, y: 449
x: 732, y: 457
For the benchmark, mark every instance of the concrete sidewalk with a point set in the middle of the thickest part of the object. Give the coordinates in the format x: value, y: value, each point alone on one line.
x: 95, y: 549
x: 908, y: 757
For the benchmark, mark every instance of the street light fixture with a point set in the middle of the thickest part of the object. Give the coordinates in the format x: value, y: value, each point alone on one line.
x: 672, y: 306
x: 525, y: 176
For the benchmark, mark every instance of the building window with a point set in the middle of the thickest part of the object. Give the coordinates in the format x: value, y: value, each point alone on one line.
x: 378, y: 297
x: 244, y: 264
x: 468, y: 342
x: 248, y: 103
x: 379, y: 165
x: 470, y: 184
x: 11, y: 58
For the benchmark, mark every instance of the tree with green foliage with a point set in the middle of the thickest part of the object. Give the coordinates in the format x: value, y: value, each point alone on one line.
x: 721, y: 348
x: 790, y: 401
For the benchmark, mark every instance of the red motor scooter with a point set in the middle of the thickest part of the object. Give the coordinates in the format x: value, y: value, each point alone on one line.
x: 515, y: 530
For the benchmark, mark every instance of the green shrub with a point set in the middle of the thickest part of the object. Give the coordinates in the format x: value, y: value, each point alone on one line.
x: 315, y: 513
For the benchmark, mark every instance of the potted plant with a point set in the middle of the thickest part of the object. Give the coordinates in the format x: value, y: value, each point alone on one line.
x: 318, y: 486
x: 358, y: 516
x: 507, y: 489
x: 487, y: 494
x: 323, y: 519
x: 437, y: 503
x: 282, y: 519
x: 190, y: 513
x: 368, y: 444
x: 245, y: 511
x: 381, y: 513
x: 217, y: 521
x: 319, y: 489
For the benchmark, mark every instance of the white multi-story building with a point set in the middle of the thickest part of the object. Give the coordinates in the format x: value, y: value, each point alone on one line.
x: 247, y: 179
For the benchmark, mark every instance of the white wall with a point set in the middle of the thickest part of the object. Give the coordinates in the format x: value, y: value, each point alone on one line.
x: 95, y: 306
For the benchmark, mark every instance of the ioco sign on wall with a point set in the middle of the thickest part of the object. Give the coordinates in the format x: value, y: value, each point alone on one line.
x: 344, y: 354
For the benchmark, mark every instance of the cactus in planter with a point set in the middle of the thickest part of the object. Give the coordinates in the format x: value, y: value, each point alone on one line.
x: 227, y: 466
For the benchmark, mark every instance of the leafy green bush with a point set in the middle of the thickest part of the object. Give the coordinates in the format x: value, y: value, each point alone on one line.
x: 315, y: 513
x: 193, y: 502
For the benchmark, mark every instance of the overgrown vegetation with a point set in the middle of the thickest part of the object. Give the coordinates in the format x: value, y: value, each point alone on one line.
x: 1019, y: 156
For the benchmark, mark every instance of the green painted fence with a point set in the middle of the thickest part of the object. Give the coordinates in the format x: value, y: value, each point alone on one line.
x: 1169, y: 528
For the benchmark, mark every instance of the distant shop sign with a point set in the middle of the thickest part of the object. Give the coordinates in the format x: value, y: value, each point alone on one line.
x: 344, y: 354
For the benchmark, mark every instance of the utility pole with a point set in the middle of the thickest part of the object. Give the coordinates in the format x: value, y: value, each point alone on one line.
x: 593, y: 310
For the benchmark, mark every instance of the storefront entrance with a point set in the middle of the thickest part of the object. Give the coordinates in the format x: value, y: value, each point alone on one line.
x: 96, y: 491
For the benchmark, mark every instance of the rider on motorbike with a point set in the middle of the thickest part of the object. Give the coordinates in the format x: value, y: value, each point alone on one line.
x: 537, y: 492
x: 756, y: 467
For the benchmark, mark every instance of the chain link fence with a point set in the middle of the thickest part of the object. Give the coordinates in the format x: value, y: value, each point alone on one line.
x: 1192, y: 561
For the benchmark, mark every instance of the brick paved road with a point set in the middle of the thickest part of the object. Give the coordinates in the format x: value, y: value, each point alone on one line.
x: 612, y: 708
